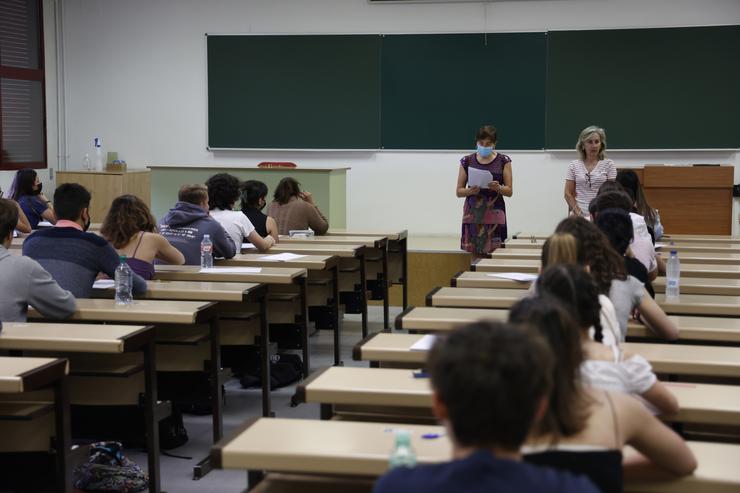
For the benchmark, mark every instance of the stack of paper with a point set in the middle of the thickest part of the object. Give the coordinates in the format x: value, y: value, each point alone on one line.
x: 515, y: 276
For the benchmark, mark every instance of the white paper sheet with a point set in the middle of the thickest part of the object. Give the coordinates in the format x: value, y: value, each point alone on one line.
x: 515, y: 276
x: 660, y: 245
x: 424, y: 344
x: 282, y: 257
x: 232, y: 270
x: 248, y: 246
x: 45, y: 224
x: 479, y: 178
x: 104, y: 284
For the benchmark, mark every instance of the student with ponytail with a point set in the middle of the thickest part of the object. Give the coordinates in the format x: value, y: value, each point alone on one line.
x: 585, y: 429
x: 605, y: 367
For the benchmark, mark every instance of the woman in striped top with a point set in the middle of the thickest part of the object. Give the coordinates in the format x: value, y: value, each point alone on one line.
x: 587, y: 174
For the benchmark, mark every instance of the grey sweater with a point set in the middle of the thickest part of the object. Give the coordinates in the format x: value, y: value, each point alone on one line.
x: 24, y: 282
x: 184, y: 227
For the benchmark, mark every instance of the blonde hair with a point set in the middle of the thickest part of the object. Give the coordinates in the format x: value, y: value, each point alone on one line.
x: 560, y: 248
x: 585, y: 133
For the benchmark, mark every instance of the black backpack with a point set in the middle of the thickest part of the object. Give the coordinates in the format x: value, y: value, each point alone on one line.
x: 285, y: 369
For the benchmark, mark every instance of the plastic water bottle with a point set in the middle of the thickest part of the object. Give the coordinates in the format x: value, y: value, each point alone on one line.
x: 86, y: 163
x: 98, y: 144
x: 124, y: 283
x: 673, y: 276
x: 206, y: 252
x: 403, y: 455
x: 658, y: 230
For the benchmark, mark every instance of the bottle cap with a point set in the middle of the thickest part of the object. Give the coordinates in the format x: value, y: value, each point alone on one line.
x: 122, y: 258
x: 674, y: 252
x: 403, y: 437
x: 206, y: 236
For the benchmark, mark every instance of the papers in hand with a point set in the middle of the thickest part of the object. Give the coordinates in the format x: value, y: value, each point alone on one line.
x: 282, y: 257
x: 248, y: 246
x: 230, y: 270
x: 424, y: 344
x: 515, y: 276
x: 104, y: 284
x: 479, y: 178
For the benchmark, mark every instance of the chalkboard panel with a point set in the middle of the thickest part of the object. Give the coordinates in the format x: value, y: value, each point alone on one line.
x: 437, y: 89
x: 671, y: 88
x: 294, y: 92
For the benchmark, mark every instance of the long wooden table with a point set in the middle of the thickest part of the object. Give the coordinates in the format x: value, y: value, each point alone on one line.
x: 371, y: 389
x: 19, y: 375
x: 61, y: 338
x: 696, y: 330
x: 686, y: 304
x: 688, y: 258
x: 315, y: 265
x: 361, y: 449
x: 679, y: 238
x: 711, y: 361
x: 162, y: 312
x: 682, y: 248
x: 397, y: 245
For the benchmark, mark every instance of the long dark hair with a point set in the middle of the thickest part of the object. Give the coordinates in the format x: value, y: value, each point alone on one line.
x: 23, y: 183
x: 631, y: 183
x: 603, y: 261
x: 127, y: 216
x: 286, y: 190
x: 252, y: 192
x: 569, y: 404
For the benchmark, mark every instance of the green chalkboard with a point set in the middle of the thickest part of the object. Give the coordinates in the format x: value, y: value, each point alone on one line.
x: 293, y: 92
x: 675, y: 88
x: 438, y: 89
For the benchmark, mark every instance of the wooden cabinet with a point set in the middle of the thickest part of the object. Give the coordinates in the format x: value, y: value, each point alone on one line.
x: 104, y: 186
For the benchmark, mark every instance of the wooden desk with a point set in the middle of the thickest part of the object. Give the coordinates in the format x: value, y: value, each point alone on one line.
x: 371, y: 243
x: 162, y: 312
x: 397, y: 246
x: 711, y: 361
x: 678, y: 238
x: 221, y: 292
x: 696, y: 330
x: 19, y: 375
x: 687, y: 248
x: 348, y: 256
x: 55, y: 338
x: 372, y: 389
x: 315, y: 265
x: 107, y: 185
x: 266, y: 275
x: 687, y: 258
x: 361, y: 449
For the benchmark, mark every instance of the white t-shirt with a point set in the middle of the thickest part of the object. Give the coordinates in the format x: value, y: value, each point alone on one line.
x: 235, y: 223
x: 587, y: 184
x: 642, y: 244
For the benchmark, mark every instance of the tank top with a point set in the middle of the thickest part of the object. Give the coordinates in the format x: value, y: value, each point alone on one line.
x: 258, y: 220
x: 142, y: 267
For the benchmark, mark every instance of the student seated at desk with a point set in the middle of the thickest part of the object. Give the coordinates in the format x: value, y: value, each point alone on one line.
x: 73, y: 256
x: 293, y: 209
x: 253, y: 200
x: 187, y: 222
x: 132, y: 230
x: 223, y: 192
x: 26, y: 190
x: 23, y: 281
x: 606, y: 367
x: 585, y: 429
x: 606, y: 266
x: 488, y: 400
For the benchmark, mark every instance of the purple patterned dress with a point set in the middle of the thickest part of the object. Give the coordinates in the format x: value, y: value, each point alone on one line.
x: 484, y: 214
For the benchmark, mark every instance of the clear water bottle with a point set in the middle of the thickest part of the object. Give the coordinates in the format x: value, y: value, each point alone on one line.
x: 403, y: 455
x: 658, y: 230
x: 124, y: 283
x: 206, y: 252
x: 86, y: 163
x: 98, y: 146
x: 673, y: 276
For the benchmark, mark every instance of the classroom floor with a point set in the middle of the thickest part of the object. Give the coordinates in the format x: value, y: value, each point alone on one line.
x: 242, y: 404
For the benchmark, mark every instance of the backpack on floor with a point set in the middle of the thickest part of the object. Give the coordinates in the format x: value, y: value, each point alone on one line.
x: 107, y: 469
x: 285, y: 369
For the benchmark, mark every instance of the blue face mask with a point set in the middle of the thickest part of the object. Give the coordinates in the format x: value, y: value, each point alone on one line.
x: 485, y: 151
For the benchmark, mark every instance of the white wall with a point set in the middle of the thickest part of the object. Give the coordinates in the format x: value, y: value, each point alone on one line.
x: 135, y: 73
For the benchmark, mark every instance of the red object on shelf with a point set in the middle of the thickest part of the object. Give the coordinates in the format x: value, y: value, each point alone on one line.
x: 277, y: 164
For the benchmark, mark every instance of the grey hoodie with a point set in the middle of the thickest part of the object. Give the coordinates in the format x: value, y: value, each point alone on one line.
x: 184, y: 227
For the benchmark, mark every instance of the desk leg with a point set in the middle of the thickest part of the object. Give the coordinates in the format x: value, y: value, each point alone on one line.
x: 204, y: 466
x: 254, y: 478
x: 265, y: 357
x: 152, y: 426
x: 335, y: 307
x: 63, y: 436
x: 363, y: 294
x: 302, y: 283
x: 386, y: 280
x: 403, y: 246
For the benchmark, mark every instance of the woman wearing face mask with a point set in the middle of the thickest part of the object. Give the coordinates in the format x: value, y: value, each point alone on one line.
x: 253, y: 201
x: 484, y: 211
x: 587, y: 174
x: 26, y: 190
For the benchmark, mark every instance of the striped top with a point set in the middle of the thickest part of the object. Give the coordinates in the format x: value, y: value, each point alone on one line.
x: 587, y: 184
